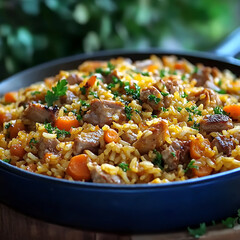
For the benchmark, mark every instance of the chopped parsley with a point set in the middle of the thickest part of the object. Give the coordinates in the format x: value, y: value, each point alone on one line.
x: 146, y: 74
x: 190, y: 166
x: 137, y: 111
x: 222, y: 91
x: 184, y: 95
x: 58, y: 91
x: 179, y: 109
x: 164, y: 109
x: 196, y: 125
x: 183, y: 77
x: 194, y: 110
x: 79, y: 117
x: 83, y: 103
x: 164, y: 94
x: 32, y: 141
x: 83, y: 90
x: 152, y: 97
x: 198, y: 232
x: 230, y: 222
x: 174, y: 154
x: 7, y: 160
x: 60, y: 133
x: 8, y: 125
x: 130, y: 91
x: 162, y: 73
x: 219, y: 110
x: 195, y: 70
x: 115, y: 94
x: 220, y: 83
x: 93, y: 94
x: 190, y: 117
x: 128, y: 112
x: 124, y: 166
x: 109, y: 69
x: 154, y: 116
x: 110, y: 66
x: 157, y: 161
x: 35, y: 93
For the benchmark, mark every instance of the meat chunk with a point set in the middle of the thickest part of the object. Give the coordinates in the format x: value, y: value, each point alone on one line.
x: 207, y: 97
x: 129, y: 137
x: 152, y: 138
x: 68, y: 98
x: 152, y: 97
x: 215, y: 123
x: 99, y: 176
x: 87, y: 141
x: 177, y: 153
x: 74, y: 79
x: 47, y: 146
x: 39, y: 113
x: 105, y: 112
x: 172, y: 85
x: 223, y: 144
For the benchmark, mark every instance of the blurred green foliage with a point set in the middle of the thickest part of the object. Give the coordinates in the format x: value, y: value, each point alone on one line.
x: 35, y: 31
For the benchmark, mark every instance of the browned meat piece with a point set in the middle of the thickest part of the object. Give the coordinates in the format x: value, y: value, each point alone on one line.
x: 215, y: 123
x: 99, y: 176
x: 108, y: 78
x: 172, y: 85
x: 207, y: 97
x: 202, y: 76
x: 87, y: 141
x: 68, y: 98
x: 177, y: 153
x: 129, y: 137
x: 152, y: 97
x: 152, y: 138
x: 74, y: 79
x: 39, y: 113
x: 223, y: 144
x: 47, y: 146
x: 102, y: 111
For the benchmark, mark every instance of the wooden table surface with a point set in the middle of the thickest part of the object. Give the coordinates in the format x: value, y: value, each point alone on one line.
x: 16, y: 226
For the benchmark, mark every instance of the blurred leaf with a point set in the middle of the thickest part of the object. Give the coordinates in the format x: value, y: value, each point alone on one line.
x: 5, y: 30
x: 52, y: 4
x: 105, y: 28
x: 107, y: 5
x: 30, y: 7
x: 91, y: 42
x: 80, y: 14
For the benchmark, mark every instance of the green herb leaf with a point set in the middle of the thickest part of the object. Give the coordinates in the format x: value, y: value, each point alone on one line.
x: 179, y: 109
x: 162, y: 73
x: 94, y: 94
x: 158, y: 159
x: 152, y: 97
x: 196, y: 125
x: 222, y: 91
x: 198, y: 232
x: 7, y: 160
x: 219, y: 110
x: 60, y: 133
x: 8, y: 125
x: 184, y: 95
x: 164, y: 109
x: 35, y: 93
x: 124, y: 166
x: 174, y: 154
x: 154, y: 116
x: 134, y: 92
x: 230, y: 222
x: 164, y: 94
x: 128, y: 112
x: 32, y: 141
x: 195, y: 70
x: 83, y: 90
x: 58, y: 91
x: 190, y: 166
x: 110, y: 66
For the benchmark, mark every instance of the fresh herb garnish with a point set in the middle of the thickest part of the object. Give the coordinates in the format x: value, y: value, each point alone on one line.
x: 130, y: 91
x: 164, y: 94
x: 7, y: 160
x: 190, y: 117
x: 152, y: 97
x: 35, y: 93
x: 174, y: 154
x: 195, y: 70
x: 32, y: 141
x: 162, y: 73
x: 110, y: 66
x: 83, y: 103
x: 179, y: 109
x: 60, y: 133
x: 184, y: 95
x: 146, y: 74
x: 128, y: 112
x: 83, y: 90
x: 158, y: 159
x: 183, y: 77
x: 164, y: 109
x: 190, y: 166
x: 219, y: 110
x: 220, y: 83
x: 93, y: 94
x: 198, y: 232
x: 222, y: 91
x: 230, y: 222
x: 196, y: 126
x: 154, y: 116
x: 194, y: 110
x: 58, y: 91
x: 8, y: 125
x: 124, y: 166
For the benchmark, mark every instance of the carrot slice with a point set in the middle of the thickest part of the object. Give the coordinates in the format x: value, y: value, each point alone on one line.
x: 10, y: 97
x: 152, y: 68
x: 78, y: 168
x: 91, y: 81
x: 198, y: 148
x: 111, y: 136
x: 14, y: 129
x: 17, y: 150
x: 233, y: 110
x: 66, y: 123
x: 202, y: 171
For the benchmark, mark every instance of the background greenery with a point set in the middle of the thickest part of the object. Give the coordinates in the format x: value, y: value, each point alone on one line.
x: 35, y: 31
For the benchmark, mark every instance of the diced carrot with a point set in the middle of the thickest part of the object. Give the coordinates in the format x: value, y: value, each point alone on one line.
x: 202, y: 171
x: 233, y: 110
x: 179, y: 65
x: 10, y: 97
x: 111, y: 136
x: 91, y: 81
x: 199, y: 148
x: 14, y: 129
x: 66, y: 123
x: 5, y: 117
x: 152, y: 68
x: 78, y: 168
x: 17, y: 150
